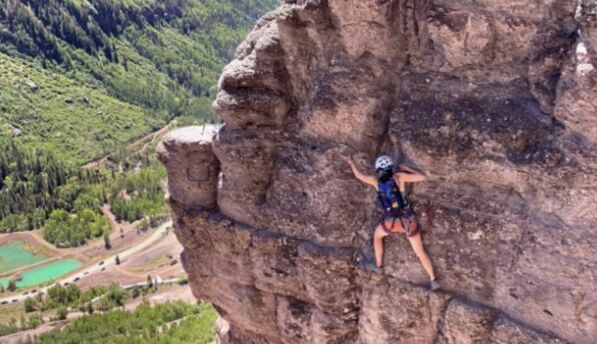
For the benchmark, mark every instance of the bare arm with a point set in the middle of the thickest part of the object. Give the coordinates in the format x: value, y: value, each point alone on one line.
x: 370, y: 180
x: 407, y: 175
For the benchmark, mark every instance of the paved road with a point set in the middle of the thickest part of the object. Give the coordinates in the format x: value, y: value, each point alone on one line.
x: 159, y: 233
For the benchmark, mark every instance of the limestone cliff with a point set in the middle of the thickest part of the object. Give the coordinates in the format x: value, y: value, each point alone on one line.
x: 496, y: 100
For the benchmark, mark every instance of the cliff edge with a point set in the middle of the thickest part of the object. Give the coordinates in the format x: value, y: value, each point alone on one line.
x: 495, y: 100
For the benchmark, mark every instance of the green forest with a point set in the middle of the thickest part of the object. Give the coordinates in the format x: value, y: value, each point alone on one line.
x: 172, y: 322
x: 80, y: 79
x: 37, y: 190
x: 61, y: 300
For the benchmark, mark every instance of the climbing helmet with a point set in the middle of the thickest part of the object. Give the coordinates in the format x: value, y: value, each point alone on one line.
x: 384, y: 162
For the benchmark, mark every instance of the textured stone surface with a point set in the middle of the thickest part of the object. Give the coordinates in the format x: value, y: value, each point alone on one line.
x: 495, y: 100
x: 192, y: 166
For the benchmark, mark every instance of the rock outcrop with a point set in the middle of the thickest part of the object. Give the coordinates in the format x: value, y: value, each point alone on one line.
x: 495, y: 100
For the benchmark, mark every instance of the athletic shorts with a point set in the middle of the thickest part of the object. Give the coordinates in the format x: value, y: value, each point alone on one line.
x: 397, y: 224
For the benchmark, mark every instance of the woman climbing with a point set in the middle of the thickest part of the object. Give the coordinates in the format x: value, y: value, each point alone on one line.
x: 399, y: 218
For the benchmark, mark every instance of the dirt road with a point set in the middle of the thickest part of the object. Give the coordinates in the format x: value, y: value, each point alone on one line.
x: 158, y: 133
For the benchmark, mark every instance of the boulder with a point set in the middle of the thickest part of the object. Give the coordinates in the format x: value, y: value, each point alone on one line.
x: 32, y: 86
x: 192, y: 166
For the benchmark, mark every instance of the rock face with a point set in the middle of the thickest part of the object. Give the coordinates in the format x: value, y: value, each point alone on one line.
x: 495, y: 100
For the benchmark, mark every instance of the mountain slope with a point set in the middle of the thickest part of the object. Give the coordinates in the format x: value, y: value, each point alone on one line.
x: 83, y: 77
x: 80, y: 79
x: 52, y: 110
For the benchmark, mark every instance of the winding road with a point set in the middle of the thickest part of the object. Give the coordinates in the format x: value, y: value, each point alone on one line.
x: 159, y: 234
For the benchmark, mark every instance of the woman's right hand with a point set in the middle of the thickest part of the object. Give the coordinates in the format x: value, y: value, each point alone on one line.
x: 348, y: 160
x: 371, y: 180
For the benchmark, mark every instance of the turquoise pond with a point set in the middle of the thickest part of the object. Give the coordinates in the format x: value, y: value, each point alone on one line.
x: 45, y: 273
x: 14, y: 255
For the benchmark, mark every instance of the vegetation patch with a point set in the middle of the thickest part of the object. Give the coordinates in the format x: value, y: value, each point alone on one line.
x: 37, y: 190
x: 154, y: 263
x: 75, y: 119
x: 82, y: 78
x: 24, y: 324
x: 173, y: 322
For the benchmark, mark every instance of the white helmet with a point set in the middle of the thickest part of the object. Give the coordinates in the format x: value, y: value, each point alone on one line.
x: 383, y: 162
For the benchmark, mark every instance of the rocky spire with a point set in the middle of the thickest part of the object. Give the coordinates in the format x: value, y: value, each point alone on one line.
x: 495, y: 100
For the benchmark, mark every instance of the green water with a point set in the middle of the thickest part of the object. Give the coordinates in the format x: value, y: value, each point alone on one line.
x: 45, y: 273
x: 14, y: 255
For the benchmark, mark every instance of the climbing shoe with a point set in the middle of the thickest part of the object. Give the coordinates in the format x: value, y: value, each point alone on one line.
x: 374, y: 268
x: 434, y: 285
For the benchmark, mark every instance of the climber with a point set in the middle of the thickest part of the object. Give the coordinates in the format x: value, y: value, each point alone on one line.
x: 399, y: 218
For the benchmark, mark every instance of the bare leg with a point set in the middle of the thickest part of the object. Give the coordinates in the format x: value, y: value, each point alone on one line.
x: 417, y: 244
x: 378, y: 244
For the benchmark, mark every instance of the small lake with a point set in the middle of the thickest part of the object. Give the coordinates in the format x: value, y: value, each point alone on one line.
x: 45, y: 273
x: 15, y: 254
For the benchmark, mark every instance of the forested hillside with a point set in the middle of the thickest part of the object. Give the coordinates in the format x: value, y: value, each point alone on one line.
x: 83, y: 77
x: 80, y: 79
x: 37, y: 189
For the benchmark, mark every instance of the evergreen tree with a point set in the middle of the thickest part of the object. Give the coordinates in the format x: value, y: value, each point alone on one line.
x: 30, y: 305
x: 62, y: 313
x: 107, y: 243
x: 12, y: 286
